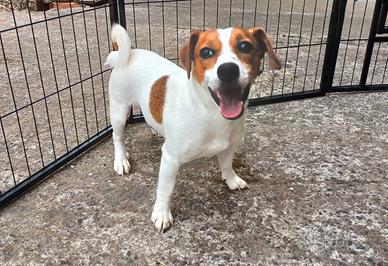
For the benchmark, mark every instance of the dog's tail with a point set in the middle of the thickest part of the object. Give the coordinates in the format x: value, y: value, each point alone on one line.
x: 121, y: 47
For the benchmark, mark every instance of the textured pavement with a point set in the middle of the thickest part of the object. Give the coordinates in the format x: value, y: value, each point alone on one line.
x: 318, y: 194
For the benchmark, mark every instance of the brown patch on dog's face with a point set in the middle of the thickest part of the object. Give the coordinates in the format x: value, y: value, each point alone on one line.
x: 207, y: 39
x: 260, y: 43
x: 115, y: 47
x: 250, y: 60
x: 265, y: 45
x: 187, y: 52
x: 191, y: 52
x: 157, y: 98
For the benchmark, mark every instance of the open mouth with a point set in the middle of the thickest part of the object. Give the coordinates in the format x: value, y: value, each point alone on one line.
x: 231, y: 100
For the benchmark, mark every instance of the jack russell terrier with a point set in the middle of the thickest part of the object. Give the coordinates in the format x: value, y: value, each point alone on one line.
x: 200, y: 111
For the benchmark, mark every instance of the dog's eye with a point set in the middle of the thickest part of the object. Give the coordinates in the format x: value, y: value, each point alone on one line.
x: 206, y: 53
x: 245, y: 47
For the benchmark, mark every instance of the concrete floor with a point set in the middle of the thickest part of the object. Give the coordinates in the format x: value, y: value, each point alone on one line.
x: 317, y: 171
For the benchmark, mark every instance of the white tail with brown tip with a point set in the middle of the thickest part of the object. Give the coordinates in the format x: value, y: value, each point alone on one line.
x: 122, y: 42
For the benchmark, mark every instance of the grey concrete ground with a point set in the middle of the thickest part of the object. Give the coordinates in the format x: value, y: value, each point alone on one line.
x: 317, y: 169
x: 318, y: 194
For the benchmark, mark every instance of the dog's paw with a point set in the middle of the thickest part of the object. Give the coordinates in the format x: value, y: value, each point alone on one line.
x: 236, y: 183
x: 162, y: 219
x: 155, y: 133
x: 122, y: 166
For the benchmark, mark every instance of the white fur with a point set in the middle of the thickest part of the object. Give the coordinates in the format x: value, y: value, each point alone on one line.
x: 226, y: 56
x: 120, y: 57
x: 192, y: 124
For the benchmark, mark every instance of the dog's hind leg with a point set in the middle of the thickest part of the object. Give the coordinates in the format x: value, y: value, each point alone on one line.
x: 118, y: 117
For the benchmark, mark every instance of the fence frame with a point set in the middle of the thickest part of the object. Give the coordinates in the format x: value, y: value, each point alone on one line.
x: 117, y: 15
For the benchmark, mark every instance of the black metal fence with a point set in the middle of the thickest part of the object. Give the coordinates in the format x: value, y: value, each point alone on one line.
x: 53, y: 82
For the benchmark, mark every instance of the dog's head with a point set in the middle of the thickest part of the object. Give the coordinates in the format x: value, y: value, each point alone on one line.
x: 226, y: 62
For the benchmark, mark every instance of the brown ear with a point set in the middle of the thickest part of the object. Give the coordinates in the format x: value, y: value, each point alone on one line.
x: 187, y: 52
x: 265, y: 45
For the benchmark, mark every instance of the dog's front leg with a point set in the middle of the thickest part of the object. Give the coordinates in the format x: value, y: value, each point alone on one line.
x: 225, y: 159
x: 161, y: 215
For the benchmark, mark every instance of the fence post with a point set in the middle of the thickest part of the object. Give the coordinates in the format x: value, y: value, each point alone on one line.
x: 333, y: 42
x: 371, y: 41
x: 121, y: 8
x: 113, y: 12
x: 117, y: 12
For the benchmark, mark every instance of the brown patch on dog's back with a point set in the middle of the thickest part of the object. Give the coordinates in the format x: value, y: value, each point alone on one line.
x: 211, y: 40
x: 157, y: 98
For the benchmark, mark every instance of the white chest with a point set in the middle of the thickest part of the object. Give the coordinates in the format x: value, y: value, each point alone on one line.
x: 209, y: 141
x: 214, y: 144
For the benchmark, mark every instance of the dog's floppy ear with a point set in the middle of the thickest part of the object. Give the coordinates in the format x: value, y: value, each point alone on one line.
x: 187, y: 52
x: 265, y: 45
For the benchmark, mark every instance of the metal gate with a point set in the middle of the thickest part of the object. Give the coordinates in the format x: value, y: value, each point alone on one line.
x: 54, y: 84
x: 370, y: 75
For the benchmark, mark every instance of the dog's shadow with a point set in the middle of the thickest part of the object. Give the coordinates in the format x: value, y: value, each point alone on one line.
x: 201, y: 194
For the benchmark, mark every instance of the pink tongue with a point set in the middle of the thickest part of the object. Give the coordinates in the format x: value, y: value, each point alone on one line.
x: 231, y: 110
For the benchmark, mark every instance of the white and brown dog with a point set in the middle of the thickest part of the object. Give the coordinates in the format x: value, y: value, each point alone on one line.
x: 199, y: 111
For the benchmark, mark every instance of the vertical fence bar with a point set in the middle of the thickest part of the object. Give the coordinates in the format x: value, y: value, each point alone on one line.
x: 90, y: 63
x: 163, y: 31
x: 347, y: 43
x: 8, y: 153
x: 100, y: 63
x: 320, y: 47
x: 121, y: 13
x: 308, y: 53
x: 359, y: 41
x: 117, y: 12
x: 113, y: 11
x: 149, y: 24
x: 134, y: 24
x: 381, y: 28
x: 371, y: 41
x: 333, y: 42
x: 287, y: 45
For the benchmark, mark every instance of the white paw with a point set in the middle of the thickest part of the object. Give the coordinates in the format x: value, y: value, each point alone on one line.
x: 122, y: 166
x: 236, y: 183
x: 162, y: 219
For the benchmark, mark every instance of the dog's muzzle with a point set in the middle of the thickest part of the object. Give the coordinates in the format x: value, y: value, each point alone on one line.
x: 230, y: 95
x: 231, y: 98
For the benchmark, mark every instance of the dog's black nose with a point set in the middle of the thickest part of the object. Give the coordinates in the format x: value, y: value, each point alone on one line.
x: 228, y: 72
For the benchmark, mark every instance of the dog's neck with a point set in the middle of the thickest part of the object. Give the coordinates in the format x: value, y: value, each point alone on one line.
x: 200, y: 94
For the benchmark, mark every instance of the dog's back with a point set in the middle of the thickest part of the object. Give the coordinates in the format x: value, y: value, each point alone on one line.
x: 142, y: 70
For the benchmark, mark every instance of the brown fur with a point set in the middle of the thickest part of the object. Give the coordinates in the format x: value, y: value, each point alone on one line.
x: 265, y: 45
x: 251, y: 60
x: 157, y: 98
x: 115, y: 47
x: 261, y: 44
x: 208, y: 39
x: 190, y: 52
x: 187, y: 52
